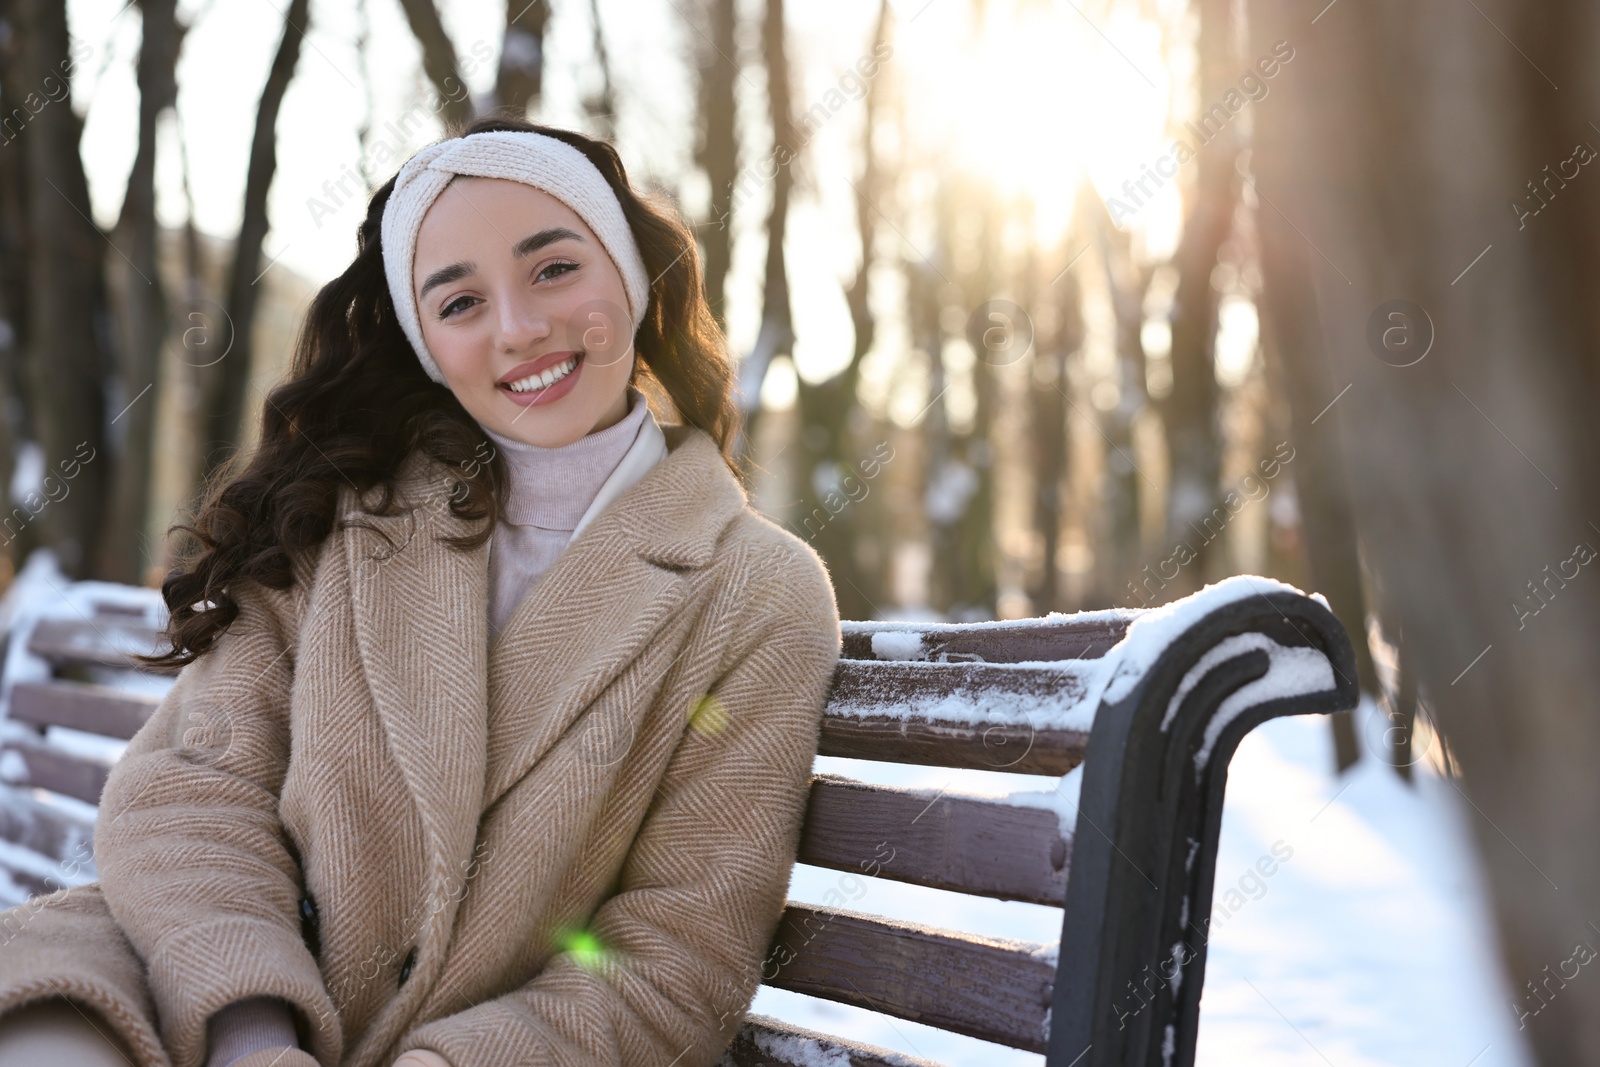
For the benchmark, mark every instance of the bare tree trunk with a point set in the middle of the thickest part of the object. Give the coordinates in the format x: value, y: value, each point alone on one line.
x: 68, y: 359
x: 946, y: 481
x: 1049, y: 437
x: 121, y: 549
x: 16, y: 428
x: 953, y: 482
x: 1121, y: 553
x: 602, y: 107
x: 993, y: 331
x: 199, y: 338
x: 1428, y: 160
x: 369, y: 104
x: 840, y: 460
x: 439, y: 60
x: 717, y: 146
x: 1332, y: 548
x: 1194, y: 439
x: 776, y: 336
x: 228, y: 380
x: 521, y: 76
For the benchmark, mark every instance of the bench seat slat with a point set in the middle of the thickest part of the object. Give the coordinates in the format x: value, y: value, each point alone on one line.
x: 763, y: 1041
x: 97, y: 709
x: 988, y: 988
x: 966, y: 844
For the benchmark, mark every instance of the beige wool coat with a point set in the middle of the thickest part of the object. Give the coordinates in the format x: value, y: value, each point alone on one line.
x: 570, y: 846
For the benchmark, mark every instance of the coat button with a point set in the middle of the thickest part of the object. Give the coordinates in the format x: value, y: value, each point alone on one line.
x: 310, y: 930
x: 405, y: 968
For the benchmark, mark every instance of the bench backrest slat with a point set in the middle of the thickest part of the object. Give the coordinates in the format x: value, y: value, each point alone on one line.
x: 968, y: 845
x: 987, y: 988
x: 1021, y: 719
x: 97, y: 709
x: 67, y: 773
x: 105, y: 641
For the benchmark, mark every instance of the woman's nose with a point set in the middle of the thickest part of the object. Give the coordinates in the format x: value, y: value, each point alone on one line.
x: 520, y: 323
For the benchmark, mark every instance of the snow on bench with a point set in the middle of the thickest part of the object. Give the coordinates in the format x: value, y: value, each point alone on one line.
x: 1129, y: 719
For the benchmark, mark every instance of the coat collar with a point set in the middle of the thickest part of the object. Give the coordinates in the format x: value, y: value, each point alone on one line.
x: 465, y: 717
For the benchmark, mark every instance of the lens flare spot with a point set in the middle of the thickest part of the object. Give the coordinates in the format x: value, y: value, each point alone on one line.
x: 708, y: 716
x: 585, y: 947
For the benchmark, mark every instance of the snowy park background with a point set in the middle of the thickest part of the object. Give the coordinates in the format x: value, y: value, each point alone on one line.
x: 1074, y: 305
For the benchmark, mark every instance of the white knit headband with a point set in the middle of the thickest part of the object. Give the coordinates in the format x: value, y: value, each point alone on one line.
x: 531, y: 158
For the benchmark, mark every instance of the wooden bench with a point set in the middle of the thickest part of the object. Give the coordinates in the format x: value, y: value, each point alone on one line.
x: 1151, y: 703
x: 69, y: 702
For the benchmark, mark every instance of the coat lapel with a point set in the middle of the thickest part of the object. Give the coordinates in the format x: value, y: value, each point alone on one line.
x: 466, y: 720
x: 420, y: 627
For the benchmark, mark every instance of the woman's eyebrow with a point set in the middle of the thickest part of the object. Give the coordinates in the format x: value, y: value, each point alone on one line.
x: 446, y: 275
x: 535, y: 241
x: 521, y: 250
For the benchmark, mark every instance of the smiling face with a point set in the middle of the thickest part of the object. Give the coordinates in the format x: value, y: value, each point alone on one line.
x: 524, y: 312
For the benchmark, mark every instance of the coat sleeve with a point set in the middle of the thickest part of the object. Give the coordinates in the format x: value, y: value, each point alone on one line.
x: 194, y: 863
x: 672, y: 959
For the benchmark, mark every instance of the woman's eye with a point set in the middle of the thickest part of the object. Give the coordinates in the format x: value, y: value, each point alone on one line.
x: 560, y: 263
x: 458, y: 304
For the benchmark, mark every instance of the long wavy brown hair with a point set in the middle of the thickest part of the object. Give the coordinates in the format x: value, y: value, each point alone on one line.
x: 356, y: 403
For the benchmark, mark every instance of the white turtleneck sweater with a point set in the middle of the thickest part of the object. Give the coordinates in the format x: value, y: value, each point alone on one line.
x: 554, y: 494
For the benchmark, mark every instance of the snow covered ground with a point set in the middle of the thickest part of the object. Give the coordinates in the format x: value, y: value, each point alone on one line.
x: 1367, y: 946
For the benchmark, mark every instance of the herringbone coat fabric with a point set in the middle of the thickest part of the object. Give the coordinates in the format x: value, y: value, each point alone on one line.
x: 571, y: 847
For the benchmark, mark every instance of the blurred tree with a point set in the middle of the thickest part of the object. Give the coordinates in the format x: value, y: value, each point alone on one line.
x: 16, y: 418
x: 840, y: 453
x: 964, y: 546
x: 1189, y: 413
x: 946, y: 483
x: 716, y: 146
x: 369, y: 105
x: 776, y: 335
x: 950, y: 480
x: 439, y: 60
x: 1332, y: 549
x: 226, y: 382
x: 601, y: 106
x: 1048, y: 437
x: 143, y: 310
x: 1118, y: 557
x: 521, y: 76
x: 1286, y: 547
x: 1432, y: 157
x: 61, y: 327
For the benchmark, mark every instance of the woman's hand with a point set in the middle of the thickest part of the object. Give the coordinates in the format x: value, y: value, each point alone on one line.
x: 421, y: 1057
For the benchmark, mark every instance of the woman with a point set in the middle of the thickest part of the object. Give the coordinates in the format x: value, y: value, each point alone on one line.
x: 499, y: 705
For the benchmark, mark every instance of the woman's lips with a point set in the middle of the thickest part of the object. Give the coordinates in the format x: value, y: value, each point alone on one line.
x: 548, y: 394
x: 534, y: 366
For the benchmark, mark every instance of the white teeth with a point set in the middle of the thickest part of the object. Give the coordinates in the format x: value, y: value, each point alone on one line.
x: 545, y: 379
